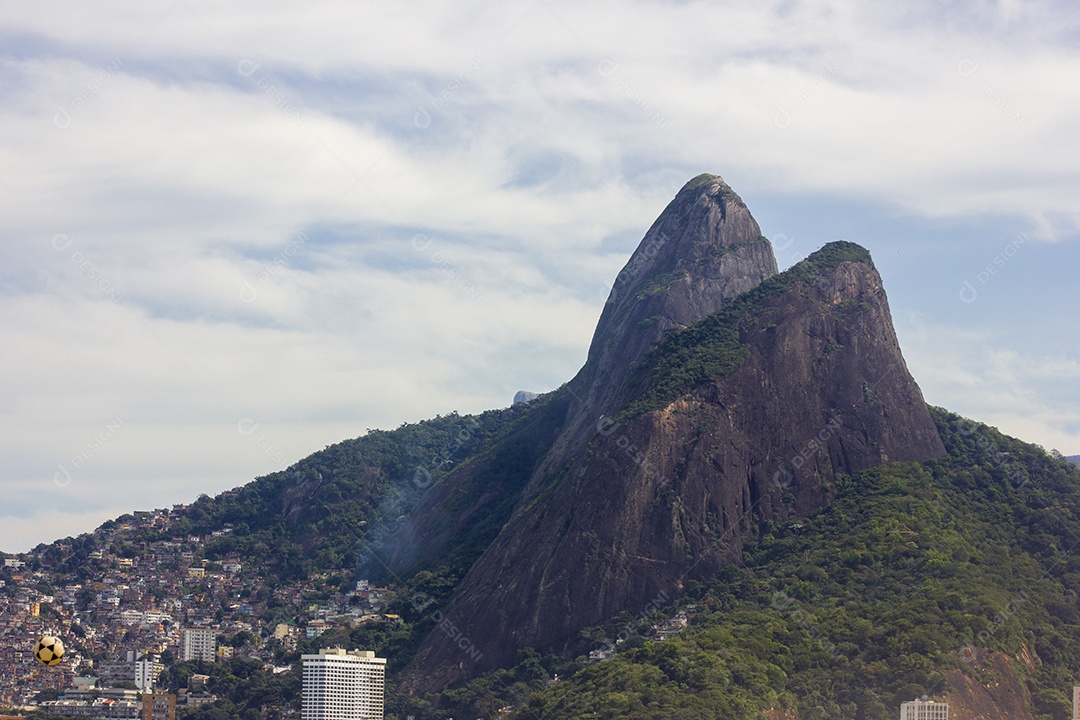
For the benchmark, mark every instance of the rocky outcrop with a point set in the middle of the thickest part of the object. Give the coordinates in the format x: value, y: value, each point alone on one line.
x: 990, y: 690
x: 524, y: 396
x: 703, y: 250
x: 716, y: 396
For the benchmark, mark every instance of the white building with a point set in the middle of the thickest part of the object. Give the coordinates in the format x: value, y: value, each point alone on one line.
x: 198, y: 643
x: 147, y: 669
x: 1076, y: 702
x: 140, y: 667
x: 924, y: 710
x: 340, y: 685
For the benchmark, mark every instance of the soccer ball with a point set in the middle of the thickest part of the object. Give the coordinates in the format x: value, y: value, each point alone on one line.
x: 49, y: 650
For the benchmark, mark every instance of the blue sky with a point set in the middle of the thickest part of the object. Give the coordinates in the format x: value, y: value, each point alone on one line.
x: 233, y: 236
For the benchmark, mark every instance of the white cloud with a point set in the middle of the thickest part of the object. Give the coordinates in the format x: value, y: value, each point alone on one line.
x: 1027, y: 395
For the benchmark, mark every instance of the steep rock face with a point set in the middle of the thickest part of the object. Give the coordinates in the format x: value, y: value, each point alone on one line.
x: 748, y: 415
x: 996, y: 692
x: 703, y: 250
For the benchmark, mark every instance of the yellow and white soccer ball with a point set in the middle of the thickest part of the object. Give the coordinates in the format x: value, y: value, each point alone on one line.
x: 49, y: 650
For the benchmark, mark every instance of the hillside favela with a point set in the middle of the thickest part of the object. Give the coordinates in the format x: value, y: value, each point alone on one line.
x: 741, y: 507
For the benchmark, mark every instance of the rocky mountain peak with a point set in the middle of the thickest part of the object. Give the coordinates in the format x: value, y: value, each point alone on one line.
x: 704, y: 249
x: 717, y: 395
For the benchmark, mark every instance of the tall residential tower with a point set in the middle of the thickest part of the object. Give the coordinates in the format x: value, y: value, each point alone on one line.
x: 198, y: 643
x: 340, y: 685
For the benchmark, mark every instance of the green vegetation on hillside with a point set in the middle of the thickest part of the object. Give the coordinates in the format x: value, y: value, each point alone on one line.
x: 873, y: 598
x: 710, y: 348
x: 244, y: 689
x: 333, y: 511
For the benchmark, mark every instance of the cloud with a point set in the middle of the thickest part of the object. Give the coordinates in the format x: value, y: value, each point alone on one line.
x: 1027, y: 395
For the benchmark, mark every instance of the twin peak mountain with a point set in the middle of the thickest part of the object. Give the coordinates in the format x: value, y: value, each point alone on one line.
x: 717, y: 394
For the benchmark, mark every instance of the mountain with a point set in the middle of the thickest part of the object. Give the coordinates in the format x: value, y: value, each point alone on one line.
x: 697, y: 416
x: 1074, y: 459
x: 740, y: 507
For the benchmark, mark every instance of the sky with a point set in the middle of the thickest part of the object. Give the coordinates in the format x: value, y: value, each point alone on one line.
x: 234, y: 234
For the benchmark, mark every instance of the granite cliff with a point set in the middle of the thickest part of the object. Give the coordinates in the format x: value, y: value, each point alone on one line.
x: 703, y: 250
x: 717, y: 395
